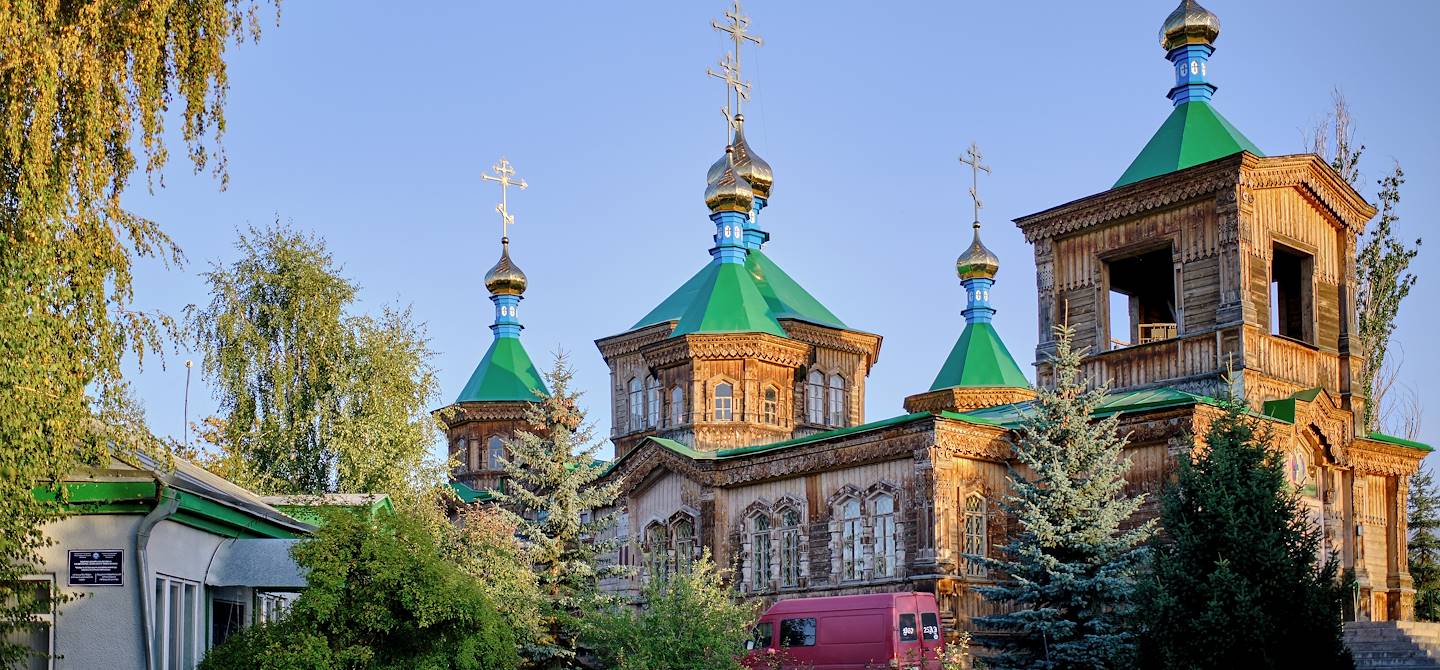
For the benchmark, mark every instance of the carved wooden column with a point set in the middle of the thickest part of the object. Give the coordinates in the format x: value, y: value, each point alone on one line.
x: 1232, y: 271
x: 1399, y: 584
x: 1045, y: 290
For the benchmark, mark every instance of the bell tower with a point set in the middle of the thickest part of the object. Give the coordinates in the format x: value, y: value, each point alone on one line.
x: 1207, y: 260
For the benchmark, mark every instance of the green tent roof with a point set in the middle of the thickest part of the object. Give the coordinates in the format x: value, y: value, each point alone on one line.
x: 504, y: 374
x: 727, y: 301
x: 1195, y: 133
x: 979, y: 359
x: 784, y: 297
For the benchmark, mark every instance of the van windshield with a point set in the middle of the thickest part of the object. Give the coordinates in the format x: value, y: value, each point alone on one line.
x: 760, y: 635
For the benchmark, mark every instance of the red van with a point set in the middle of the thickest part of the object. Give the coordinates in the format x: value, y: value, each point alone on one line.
x: 882, y: 630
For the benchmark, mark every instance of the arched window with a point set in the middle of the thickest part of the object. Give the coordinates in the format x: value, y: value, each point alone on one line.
x: 683, y: 532
x: 772, y: 406
x: 677, y: 406
x: 462, y: 455
x: 656, y: 546
x: 815, y: 397
x: 760, y: 552
x: 837, y: 400
x: 790, y: 547
x: 637, y: 405
x: 496, y: 449
x: 852, y: 560
x: 724, y: 402
x: 883, y: 525
x: 652, y: 402
x: 974, y: 542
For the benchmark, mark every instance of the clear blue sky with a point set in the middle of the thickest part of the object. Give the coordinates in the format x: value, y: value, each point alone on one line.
x: 369, y: 123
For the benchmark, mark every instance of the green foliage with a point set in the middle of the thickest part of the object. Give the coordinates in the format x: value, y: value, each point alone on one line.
x: 1069, y: 569
x: 1236, y: 580
x: 553, y: 482
x: 380, y: 596
x: 689, y: 622
x: 482, y: 544
x: 314, y: 400
x: 83, y: 85
x: 1383, y: 281
x: 1424, y: 545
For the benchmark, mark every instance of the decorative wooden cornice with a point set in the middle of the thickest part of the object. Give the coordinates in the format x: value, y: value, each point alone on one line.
x: 850, y: 341
x: 1379, y: 458
x: 727, y: 346
x: 960, y: 439
x: 1131, y: 199
x: 964, y: 399
x: 466, y: 412
x: 1317, y: 177
x: 633, y: 341
x: 1240, y: 170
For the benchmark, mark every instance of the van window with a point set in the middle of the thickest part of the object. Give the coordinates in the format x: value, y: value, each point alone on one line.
x: 908, y: 633
x: 930, y: 625
x: 797, y: 632
x: 760, y: 635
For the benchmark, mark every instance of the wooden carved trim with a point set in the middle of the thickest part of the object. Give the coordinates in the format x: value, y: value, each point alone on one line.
x: 1318, y: 178
x: 466, y: 412
x: 965, y: 399
x: 633, y: 341
x: 755, y: 346
x: 1379, y: 458
x: 849, y: 341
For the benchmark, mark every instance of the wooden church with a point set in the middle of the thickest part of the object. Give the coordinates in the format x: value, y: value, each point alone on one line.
x: 738, y: 403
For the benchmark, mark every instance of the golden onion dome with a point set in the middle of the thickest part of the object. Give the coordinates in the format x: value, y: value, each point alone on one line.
x: 1189, y: 24
x: 750, y: 166
x: 730, y: 192
x: 505, y: 278
x: 977, y: 261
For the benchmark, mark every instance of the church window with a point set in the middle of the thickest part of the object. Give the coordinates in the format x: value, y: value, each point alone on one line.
x: 815, y: 397
x: 1291, y: 294
x: 652, y: 402
x: 724, y: 402
x: 462, y: 455
x: 790, y: 548
x: 837, y: 400
x: 1142, y: 299
x: 883, y: 526
x: 496, y: 448
x: 684, y: 533
x: 974, y: 543
x: 656, y: 554
x: 852, y: 560
x: 760, y: 552
x: 637, y: 405
x: 772, y: 406
x: 677, y: 406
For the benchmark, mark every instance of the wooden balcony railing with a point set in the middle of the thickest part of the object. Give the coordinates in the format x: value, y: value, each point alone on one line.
x: 1149, y: 332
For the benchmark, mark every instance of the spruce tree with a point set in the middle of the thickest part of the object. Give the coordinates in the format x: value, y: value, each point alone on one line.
x: 1424, y: 545
x: 554, y: 487
x: 1236, y: 580
x: 1069, y: 566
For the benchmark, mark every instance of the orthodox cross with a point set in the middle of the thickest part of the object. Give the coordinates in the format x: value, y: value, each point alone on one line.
x: 973, y: 158
x: 505, y: 177
x: 741, y: 89
x: 736, y: 28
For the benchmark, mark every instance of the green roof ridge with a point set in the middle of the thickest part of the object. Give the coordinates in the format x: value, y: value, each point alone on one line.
x: 786, y: 297
x: 979, y: 359
x: 1399, y: 441
x: 506, y: 373
x: 1194, y: 133
x: 727, y: 301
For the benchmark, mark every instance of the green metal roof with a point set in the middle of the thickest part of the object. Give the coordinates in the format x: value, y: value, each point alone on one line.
x: 787, y: 299
x: 783, y: 296
x: 504, y: 374
x: 727, y: 301
x: 979, y: 358
x: 468, y: 495
x: 1193, y: 134
x: 735, y: 452
x: 1400, y: 441
x: 1013, y: 414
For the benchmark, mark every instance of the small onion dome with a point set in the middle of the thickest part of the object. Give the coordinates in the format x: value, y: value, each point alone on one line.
x: 977, y: 261
x: 505, y: 278
x: 750, y: 166
x: 1189, y: 24
x: 729, y: 193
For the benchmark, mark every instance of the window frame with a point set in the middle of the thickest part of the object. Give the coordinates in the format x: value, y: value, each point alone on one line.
x: 677, y: 405
x: 761, y: 552
x: 162, y: 625
x: 974, y: 529
x: 852, y: 547
x: 45, y: 617
x: 883, y: 539
x: 789, y: 548
x: 491, y: 445
x: 652, y: 402
x: 835, y: 405
x: 815, y: 397
x: 635, y: 405
x: 723, y: 411
x: 770, y: 406
x: 684, y: 553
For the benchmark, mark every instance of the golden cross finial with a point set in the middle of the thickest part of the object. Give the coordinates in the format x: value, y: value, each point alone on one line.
x: 736, y: 28
x: 973, y: 158
x: 741, y: 90
x: 505, y: 177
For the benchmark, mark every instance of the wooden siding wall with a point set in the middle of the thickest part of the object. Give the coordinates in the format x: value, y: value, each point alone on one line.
x: 1291, y: 217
